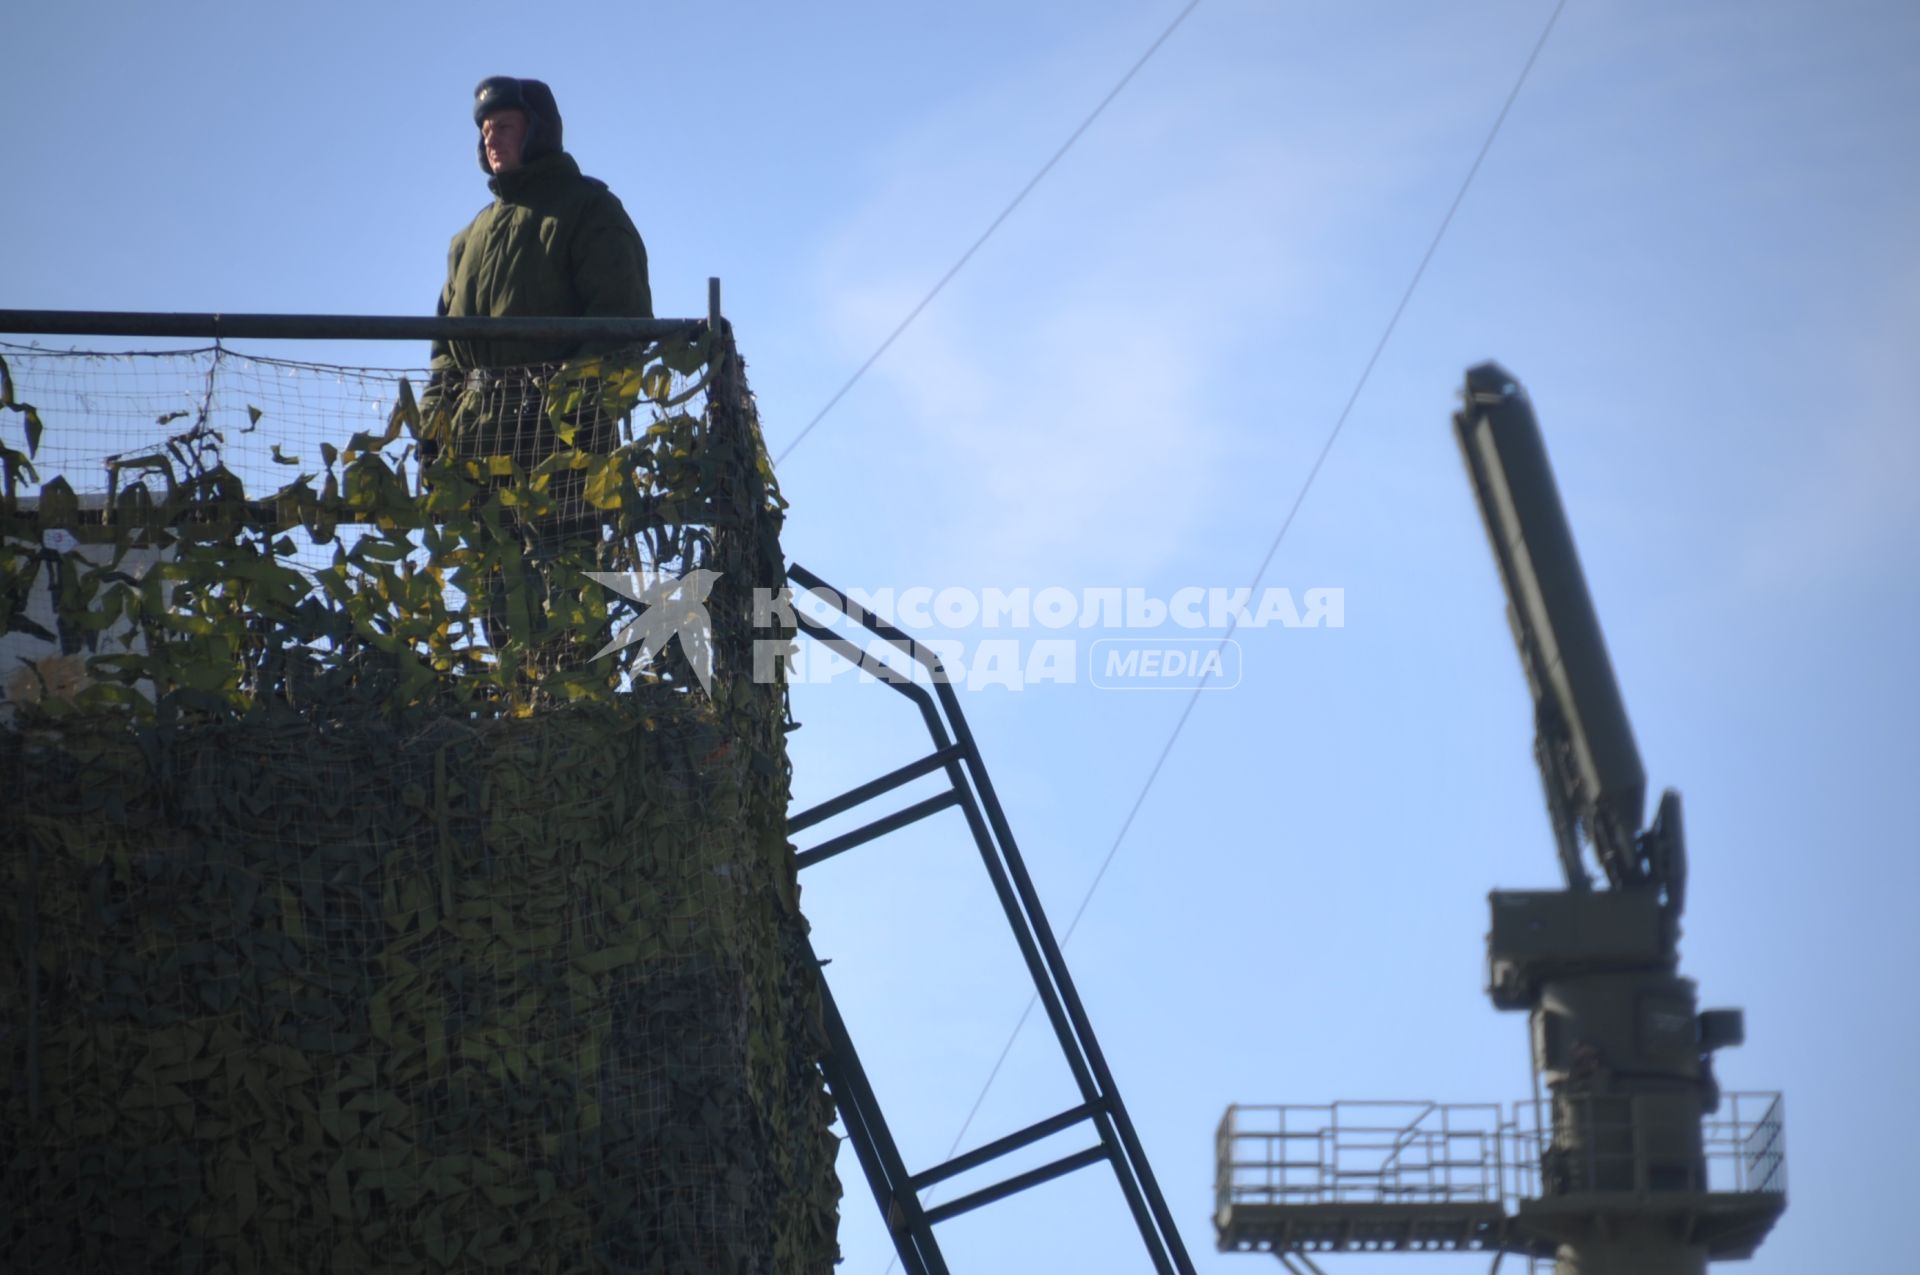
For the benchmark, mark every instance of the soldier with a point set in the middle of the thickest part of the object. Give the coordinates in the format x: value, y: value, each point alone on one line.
x: 552, y: 242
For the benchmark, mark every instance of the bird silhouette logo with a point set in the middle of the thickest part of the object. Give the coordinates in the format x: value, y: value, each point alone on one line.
x: 669, y: 605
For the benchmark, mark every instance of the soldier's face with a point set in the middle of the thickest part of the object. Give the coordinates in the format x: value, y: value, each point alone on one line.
x: 504, y: 134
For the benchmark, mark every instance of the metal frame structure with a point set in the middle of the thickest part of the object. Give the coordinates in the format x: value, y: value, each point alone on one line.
x: 956, y: 756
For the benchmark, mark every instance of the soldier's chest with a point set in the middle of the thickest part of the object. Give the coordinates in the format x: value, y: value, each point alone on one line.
x: 515, y: 257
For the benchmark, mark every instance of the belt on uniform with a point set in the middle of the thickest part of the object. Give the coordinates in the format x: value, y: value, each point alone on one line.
x: 481, y: 381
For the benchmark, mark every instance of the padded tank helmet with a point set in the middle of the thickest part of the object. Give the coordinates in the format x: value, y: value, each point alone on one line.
x: 531, y: 98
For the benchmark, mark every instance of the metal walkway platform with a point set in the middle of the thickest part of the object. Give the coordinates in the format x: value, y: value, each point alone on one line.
x: 1266, y: 1228
x: 1426, y: 1177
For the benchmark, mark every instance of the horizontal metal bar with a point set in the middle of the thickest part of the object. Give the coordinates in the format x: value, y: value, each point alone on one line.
x: 1017, y: 1183
x: 1002, y: 1146
x: 867, y: 792
x: 337, y: 327
x: 878, y: 828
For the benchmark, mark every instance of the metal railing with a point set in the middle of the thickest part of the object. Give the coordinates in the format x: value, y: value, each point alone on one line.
x: 1426, y: 1153
x: 1610, y: 1143
x: 348, y: 327
x: 1759, y: 1147
x: 1361, y: 1153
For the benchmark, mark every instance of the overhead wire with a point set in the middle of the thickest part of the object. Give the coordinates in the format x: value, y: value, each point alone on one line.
x: 1273, y: 548
x: 992, y: 226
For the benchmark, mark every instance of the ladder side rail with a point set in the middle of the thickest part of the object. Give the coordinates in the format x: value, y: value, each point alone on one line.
x: 1035, y: 937
x: 900, y: 681
x: 1136, y: 1156
x: 1097, y: 1090
x: 906, y: 1223
x: 941, y: 758
x: 968, y: 758
x: 963, y: 795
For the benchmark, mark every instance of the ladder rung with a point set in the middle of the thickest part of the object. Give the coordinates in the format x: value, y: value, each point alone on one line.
x: 867, y: 792
x: 1017, y: 1183
x: 878, y: 828
x: 1002, y: 1146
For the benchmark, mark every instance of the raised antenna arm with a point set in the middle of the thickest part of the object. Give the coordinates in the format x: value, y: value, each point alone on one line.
x: 1589, y: 763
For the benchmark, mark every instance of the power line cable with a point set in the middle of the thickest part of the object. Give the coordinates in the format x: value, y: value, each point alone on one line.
x: 987, y: 234
x: 1299, y: 499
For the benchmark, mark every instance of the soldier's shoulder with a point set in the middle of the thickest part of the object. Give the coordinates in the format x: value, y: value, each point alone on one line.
x: 461, y: 234
x: 600, y: 202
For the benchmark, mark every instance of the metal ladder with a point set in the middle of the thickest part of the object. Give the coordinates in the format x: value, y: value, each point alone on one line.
x: 895, y: 1189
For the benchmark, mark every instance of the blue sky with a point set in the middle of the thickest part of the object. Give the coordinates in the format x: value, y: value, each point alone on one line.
x: 1694, y: 241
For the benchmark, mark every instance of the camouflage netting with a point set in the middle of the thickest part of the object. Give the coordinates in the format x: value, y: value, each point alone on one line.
x: 355, y: 916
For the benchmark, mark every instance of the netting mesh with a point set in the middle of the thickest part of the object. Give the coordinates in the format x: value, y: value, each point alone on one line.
x: 450, y: 519
x: 357, y: 917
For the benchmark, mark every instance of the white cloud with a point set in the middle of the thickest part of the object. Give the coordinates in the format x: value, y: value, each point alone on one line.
x: 1063, y: 398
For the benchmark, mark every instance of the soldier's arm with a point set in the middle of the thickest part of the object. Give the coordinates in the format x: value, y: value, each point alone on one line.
x: 442, y: 373
x: 609, y: 264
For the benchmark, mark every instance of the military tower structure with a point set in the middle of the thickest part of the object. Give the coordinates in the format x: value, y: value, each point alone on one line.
x: 1629, y: 1158
x: 382, y: 890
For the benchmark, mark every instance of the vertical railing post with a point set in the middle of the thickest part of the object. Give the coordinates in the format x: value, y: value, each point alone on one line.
x: 1499, y: 1162
x: 1635, y: 1123
x: 1740, y: 1174
x: 1584, y: 1103
x: 1222, y: 1161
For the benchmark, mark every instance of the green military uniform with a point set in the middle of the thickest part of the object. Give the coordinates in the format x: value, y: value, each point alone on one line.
x: 552, y: 243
